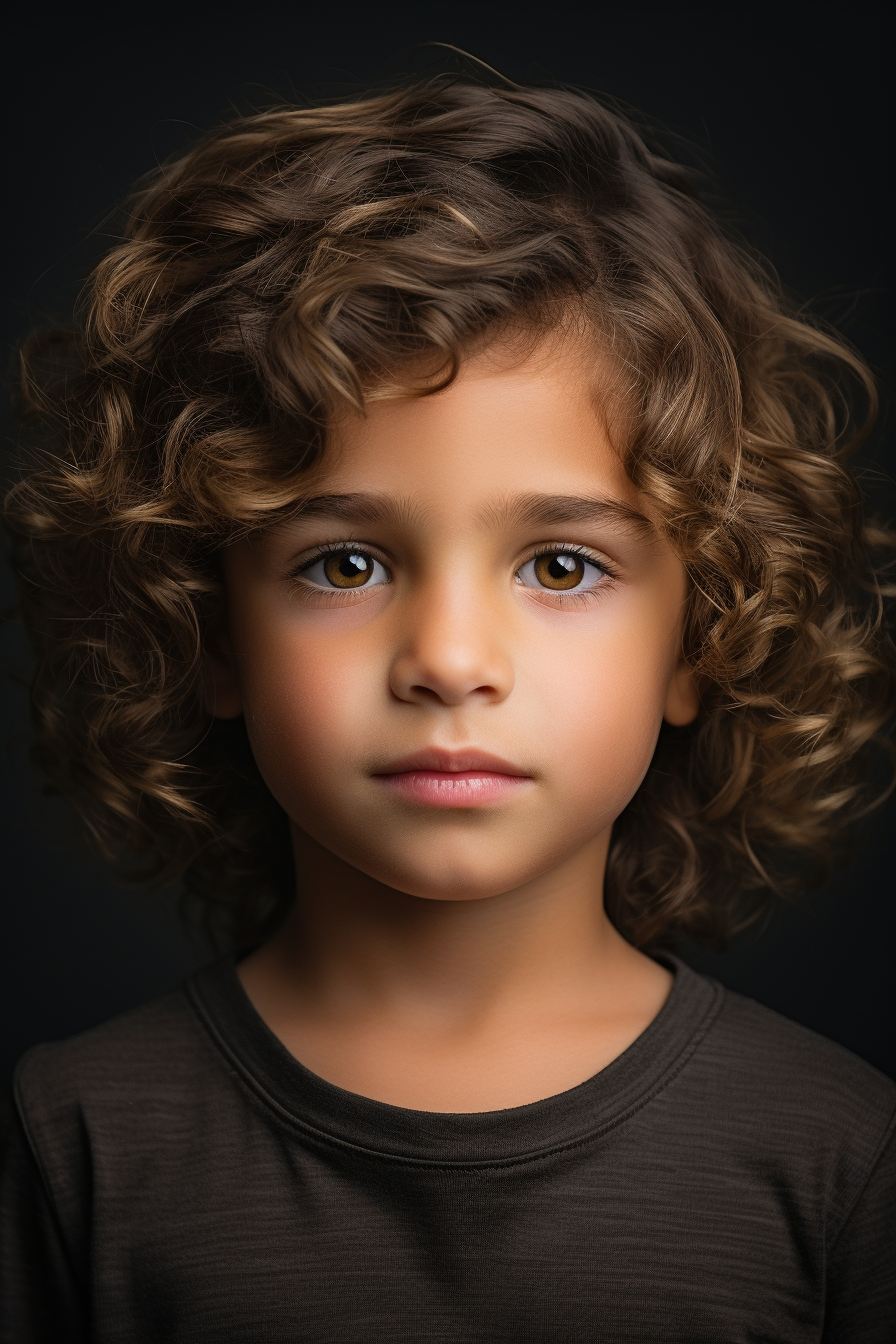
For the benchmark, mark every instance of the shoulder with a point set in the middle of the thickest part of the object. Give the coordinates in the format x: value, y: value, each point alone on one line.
x: 120, y: 1114
x: 791, y: 1104
x: 150, y: 1059
x: 792, y: 1066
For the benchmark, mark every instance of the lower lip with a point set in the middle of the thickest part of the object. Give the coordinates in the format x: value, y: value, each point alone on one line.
x: 465, y: 788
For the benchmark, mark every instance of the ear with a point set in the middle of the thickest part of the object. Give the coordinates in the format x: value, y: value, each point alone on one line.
x: 683, y: 697
x: 221, y: 688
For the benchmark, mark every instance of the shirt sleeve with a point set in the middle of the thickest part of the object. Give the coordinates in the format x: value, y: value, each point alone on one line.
x: 861, y: 1294
x: 40, y: 1299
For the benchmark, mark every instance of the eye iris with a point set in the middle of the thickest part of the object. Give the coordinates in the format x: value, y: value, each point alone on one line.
x: 348, y: 569
x: 559, y: 571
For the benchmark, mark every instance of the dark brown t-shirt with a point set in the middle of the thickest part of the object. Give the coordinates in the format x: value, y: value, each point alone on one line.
x: 177, y: 1176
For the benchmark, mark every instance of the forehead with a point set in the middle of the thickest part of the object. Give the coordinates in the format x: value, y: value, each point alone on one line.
x: 538, y: 424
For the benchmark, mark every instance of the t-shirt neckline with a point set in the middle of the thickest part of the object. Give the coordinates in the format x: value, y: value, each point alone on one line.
x: 330, y: 1114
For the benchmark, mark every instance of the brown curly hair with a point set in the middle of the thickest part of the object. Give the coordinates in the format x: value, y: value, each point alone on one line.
x: 303, y: 259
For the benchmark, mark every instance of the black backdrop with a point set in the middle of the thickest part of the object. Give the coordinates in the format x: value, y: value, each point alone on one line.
x: 783, y: 101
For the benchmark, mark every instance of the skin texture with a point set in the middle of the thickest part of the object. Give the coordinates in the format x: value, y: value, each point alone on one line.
x: 458, y: 958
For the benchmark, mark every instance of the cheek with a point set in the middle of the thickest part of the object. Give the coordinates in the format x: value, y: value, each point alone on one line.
x: 597, y: 703
x: 305, y: 700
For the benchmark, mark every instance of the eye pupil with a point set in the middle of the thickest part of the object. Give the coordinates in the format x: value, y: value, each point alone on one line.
x: 560, y: 570
x: 348, y: 569
x: 353, y: 565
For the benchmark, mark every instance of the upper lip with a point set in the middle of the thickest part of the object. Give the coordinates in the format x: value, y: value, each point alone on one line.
x: 450, y: 762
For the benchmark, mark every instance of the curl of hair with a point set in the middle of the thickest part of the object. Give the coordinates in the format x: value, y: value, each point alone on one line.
x: 302, y: 260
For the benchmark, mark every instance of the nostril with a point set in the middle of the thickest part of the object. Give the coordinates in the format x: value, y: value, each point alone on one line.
x: 421, y: 693
x: 425, y: 693
x: 427, y: 677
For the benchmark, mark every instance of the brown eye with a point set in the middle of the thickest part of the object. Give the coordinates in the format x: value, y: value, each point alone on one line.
x: 563, y: 572
x: 559, y: 571
x: 348, y: 569
x: 344, y: 568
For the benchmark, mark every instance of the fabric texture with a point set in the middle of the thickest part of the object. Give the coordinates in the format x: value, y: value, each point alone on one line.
x: 176, y: 1175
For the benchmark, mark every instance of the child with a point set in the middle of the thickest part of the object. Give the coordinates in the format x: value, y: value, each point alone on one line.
x: 445, y: 559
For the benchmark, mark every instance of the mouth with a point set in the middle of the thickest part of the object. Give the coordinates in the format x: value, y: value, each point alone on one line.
x: 440, y: 778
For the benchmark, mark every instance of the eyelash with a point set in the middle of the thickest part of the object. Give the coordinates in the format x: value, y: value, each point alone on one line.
x: 321, y: 552
x: 333, y: 548
x: 567, y: 548
x: 566, y: 599
x: 364, y: 548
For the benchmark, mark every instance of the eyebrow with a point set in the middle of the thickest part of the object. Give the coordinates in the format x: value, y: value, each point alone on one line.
x: 357, y: 507
x: 549, y: 510
x: 530, y: 510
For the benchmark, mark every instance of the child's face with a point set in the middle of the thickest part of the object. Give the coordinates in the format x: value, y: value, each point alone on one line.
x: 507, y: 597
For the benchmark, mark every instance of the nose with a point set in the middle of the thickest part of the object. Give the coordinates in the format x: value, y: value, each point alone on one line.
x: 450, y: 652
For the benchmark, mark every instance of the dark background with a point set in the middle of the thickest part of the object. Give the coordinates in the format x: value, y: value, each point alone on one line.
x: 783, y: 102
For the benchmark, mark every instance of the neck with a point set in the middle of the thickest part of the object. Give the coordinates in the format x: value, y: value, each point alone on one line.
x: 355, y: 946
x: 453, y: 1005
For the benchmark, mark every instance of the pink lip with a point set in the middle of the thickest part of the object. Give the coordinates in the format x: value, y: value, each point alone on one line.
x: 441, y: 778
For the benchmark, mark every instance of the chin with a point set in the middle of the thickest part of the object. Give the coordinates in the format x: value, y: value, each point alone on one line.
x: 449, y: 882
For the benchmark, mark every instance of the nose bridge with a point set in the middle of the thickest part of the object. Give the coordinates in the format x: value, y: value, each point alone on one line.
x: 451, y: 644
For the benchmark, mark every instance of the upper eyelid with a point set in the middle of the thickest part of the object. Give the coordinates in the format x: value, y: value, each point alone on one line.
x: 561, y: 547
x: 309, y: 556
x: 572, y: 548
x: 313, y: 553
